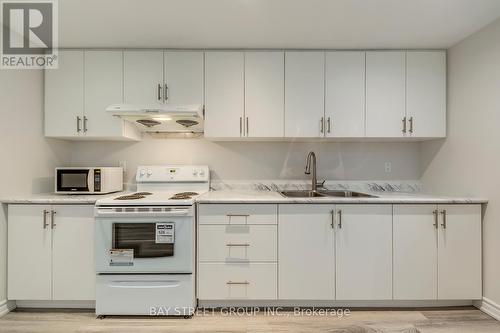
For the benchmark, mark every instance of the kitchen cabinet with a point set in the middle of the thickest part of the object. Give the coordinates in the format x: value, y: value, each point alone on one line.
x: 437, y: 252
x: 78, y: 92
x: 426, y: 93
x: 143, y: 77
x: 459, y: 252
x: 183, y: 77
x: 363, y: 252
x: 224, y: 94
x: 51, y: 252
x: 385, y: 94
x: 64, y: 96
x: 264, y: 94
x: 306, y: 252
x: 345, y: 94
x: 304, y: 94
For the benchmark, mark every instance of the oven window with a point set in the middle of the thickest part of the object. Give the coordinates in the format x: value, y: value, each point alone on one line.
x: 72, y: 180
x: 141, y: 237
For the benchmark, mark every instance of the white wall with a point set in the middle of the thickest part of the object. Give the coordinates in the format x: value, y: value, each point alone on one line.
x: 468, y: 161
x: 28, y: 160
x: 259, y: 160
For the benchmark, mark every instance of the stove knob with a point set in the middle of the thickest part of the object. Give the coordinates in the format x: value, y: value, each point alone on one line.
x: 150, y: 172
x: 195, y: 172
x: 142, y: 172
x: 202, y: 172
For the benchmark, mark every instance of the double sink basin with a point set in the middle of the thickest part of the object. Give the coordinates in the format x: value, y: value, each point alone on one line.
x: 324, y: 193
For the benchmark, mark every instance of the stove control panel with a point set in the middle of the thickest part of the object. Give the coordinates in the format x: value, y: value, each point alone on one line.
x: 172, y: 173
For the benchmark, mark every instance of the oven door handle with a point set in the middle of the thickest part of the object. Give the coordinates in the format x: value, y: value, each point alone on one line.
x: 139, y: 284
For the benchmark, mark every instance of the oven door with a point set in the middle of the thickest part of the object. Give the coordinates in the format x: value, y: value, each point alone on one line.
x: 74, y: 181
x: 145, y: 245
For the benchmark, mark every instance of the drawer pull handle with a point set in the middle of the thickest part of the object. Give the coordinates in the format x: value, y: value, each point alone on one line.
x: 237, y: 283
x: 238, y: 244
x: 237, y: 215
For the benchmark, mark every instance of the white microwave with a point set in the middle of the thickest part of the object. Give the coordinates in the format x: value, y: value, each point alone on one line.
x: 88, y: 180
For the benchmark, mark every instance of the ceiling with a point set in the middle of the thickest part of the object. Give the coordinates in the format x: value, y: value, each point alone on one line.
x: 336, y: 24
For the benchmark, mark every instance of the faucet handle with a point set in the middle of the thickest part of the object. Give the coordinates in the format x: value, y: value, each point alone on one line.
x: 321, y: 184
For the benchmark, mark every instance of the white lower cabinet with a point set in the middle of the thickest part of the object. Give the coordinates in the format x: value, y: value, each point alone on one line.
x: 306, y: 252
x: 437, y: 252
x: 364, y: 252
x: 51, y: 252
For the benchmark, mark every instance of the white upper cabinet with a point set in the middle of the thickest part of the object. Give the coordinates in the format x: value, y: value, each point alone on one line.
x: 415, y: 252
x: 143, y: 77
x: 459, y: 252
x: 264, y: 94
x: 364, y: 252
x: 304, y: 94
x: 306, y: 252
x: 345, y: 94
x: 224, y: 94
x: 183, y: 77
x: 385, y: 93
x: 426, y: 93
x: 64, y: 96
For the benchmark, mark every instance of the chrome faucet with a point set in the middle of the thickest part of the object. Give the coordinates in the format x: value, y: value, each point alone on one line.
x: 311, y: 163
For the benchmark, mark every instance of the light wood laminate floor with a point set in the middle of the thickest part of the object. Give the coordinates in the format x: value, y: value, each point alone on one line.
x: 458, y: 320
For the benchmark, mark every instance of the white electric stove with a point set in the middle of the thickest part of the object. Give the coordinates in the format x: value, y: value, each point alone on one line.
x: 145, y: 243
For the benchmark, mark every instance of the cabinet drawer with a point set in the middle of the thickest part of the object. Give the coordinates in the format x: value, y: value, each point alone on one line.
x: 218, y: 281
x: 237, y: 243
x: 238, y: 214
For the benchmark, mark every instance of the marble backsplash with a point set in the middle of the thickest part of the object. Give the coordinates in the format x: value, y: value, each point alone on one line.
x: 282, y: 185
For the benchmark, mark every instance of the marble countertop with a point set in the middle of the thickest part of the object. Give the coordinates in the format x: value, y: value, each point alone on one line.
x: 244, y: 196
x: 52, y: 198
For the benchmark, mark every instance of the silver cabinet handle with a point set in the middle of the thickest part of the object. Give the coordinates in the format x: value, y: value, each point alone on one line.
x: 329, y: 125
x: 237, y: 215
x: 45, y: 224
x: 247, y: 127
x: 404, y: 125
x: 340, y: 219
x: 436, y: 218
x: 52, y: 218
x: 235, y: 282
x: 159, y: 92
x: 85, y: 120
x: 241, y: 125
x: 443, y: 212
x: 322, y: 125
x: 411, y: 125
x: 238, y: 244
x: 332, y: 224
x: 78, y: 124
x: 166, y: 92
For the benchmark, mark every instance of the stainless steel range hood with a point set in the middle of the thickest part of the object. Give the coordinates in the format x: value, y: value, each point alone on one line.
x: 161, y: 118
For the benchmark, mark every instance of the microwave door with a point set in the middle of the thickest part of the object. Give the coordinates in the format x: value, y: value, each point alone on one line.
x: 76, y: 180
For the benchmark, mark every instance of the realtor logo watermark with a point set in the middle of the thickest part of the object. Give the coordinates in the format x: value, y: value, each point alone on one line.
x: 29, y: 34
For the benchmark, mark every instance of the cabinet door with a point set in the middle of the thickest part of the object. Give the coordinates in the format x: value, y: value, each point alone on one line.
x: 73, y: 273
x: 224, y: 94
x: 415, y: 252
x: 103, y: 87
x: 264, y: 94
x: 345, y: 94
x: 29, y: 253
x: 306, y: 252
x: 304, y: 94
x: 426, y: 93
x: 459, y: 252
x: 385, y: 93
x: 183, y: 77
x: 364, y: 252
x: 143, y: 77
x: 64, y: 96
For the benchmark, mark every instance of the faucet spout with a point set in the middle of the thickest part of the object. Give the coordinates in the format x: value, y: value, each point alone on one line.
x: 311, y: 164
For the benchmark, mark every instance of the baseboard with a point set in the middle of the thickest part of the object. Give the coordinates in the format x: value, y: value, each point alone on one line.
x: 337, y: 304
x: 6, y: 307
x: 57, y: 304
x: 489, y: 307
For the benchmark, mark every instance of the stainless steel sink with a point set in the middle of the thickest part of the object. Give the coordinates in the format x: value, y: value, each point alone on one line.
x: 324, y: 193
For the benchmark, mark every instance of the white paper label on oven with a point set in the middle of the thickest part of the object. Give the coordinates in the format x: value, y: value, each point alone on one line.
x: 121, y: 257
x: 165, y: 233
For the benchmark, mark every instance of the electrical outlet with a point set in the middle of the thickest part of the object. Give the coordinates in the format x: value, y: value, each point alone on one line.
x: 388, y: 167
x: 123, y: 164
